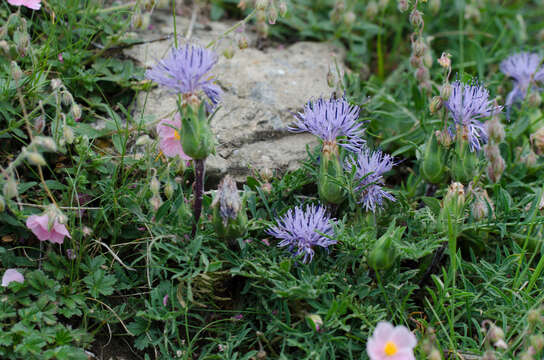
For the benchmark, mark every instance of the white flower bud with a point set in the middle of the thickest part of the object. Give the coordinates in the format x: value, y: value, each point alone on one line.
x: 154, y: 185
x: 35, y: 158
x: 68, y: 134
x: 46, y: 142
x: 143, y: 140
x: 261, y: 4
x: 10, y: 188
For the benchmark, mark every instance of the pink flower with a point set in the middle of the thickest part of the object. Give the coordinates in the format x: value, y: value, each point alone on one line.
x: 61, y: 58
x: 31, y: 4
x: 39, y: 224
x: 391, y: 343
x: 165, y: 300
x: 12, y: 275
x: 169, y: 139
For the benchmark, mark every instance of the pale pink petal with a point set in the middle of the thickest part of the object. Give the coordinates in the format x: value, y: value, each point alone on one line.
x: 403, y: 338
x: 374, y: 348
x: 15, y: 2
x: 403, y: 355
x: 32, y: 4
x: 38, y: 225
x: 12, y: 275
x: 61, y: 229
x: 383, y: 330
x: 169, y: 143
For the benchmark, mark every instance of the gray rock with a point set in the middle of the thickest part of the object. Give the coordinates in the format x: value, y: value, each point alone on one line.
x: 262, y: 91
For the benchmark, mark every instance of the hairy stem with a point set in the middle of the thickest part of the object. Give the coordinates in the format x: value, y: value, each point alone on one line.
x: 199, y: 191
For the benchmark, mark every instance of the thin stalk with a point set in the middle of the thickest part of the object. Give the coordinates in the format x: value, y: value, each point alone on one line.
x: 174, y: 20
x: 231, y: 29
x: 199, y: 190
x: 452, y: 242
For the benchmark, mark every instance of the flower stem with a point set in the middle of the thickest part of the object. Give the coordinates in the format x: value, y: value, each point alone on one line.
x: 199, y: 191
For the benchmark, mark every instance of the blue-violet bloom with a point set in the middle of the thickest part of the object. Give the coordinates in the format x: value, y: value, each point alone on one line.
x: 186, y: 70
x: 369, y: 169
x: 301, y: 230
x: 524, y: 68
x: 467, y: 104
x: 330, y: 119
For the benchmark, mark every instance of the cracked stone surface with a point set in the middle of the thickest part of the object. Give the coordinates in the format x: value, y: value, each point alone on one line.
x: 262, y: 91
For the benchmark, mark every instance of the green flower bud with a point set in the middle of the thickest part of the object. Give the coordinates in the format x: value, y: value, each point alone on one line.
x: 35, y: 158
x: 383, y: 255
x: 229, y: 213
x: 330, y: 174
x: 196, y: 135
x: 464, y: 163
x: 453, y: 205
x: 154, y: 185
x: 436, y: 104
x: 283, y: 8
x: 169, y: 189
x: 314, y: 321
x: 433, y: 167
x: 2, y: 204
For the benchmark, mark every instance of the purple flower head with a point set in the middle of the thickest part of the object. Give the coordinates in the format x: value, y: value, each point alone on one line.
x: 524, y: 68
x: 467, y: 104
x: 186, y: 71
x: 369, y: 169
x: 331, y: 119
x: 303, y: 229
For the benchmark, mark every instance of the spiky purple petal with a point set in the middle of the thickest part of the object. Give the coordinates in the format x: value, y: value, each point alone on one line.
x: 333, y: 120
x: 301, y: 230
x: 524, y: 68
x: 186, y: 70
x: 369, y: 169
x: 467, y: 104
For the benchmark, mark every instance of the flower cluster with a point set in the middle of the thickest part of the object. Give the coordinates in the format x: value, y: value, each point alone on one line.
x: 526, y: 69
x: 369, y: 169
x: 304, y: 229
x: 187, y: 71
x: 330, y: 120
x: 467, y: 104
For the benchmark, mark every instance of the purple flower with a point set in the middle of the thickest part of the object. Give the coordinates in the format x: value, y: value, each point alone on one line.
x: 524, y: 68
x: 467, y: 104
x: 331, y: 119
x: 304, y: 229
x: 369, y: 169
x: 187, y: 71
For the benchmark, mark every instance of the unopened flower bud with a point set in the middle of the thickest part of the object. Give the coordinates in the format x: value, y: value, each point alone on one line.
x: 261, y: 4
x: 35, y: 158
x: 495, y: 130
x: 314, y: 321
x: 38, y: 124
x: 416, y: 18
x: 283, y: 8
x: 229, y: 214
x: 454, y: 201
x: 434, y: 6
x: 445, y: 91
x: 242, y: 42
x: 382, y: 4
x: 330, y: 171
x: 10, y: 188
x: 534, y: 316
x: 2, y: 204
x: 534, y: 99
x: 349, y: 18
x: 46, y: 142
x: 383, y: 254
x: 422, y: 74
x: 66, y: 98
x: 262, y: 29
x: 419, y: 47
x: 4, y: 47
x: 445, y: 60
x: 403, y: 5
x: 169, y: 189
x: 137, y: 19
x: 229, y: 51
x: 433, y: 166
x: 76, y: 111
x: 427, y: 59
x: 143, y: 140
x: 149, y: 5
x: 537, y: 342
x: 68, y: 134
x: 481, y: 205
x: 444, y: 138
x: 272, y: 14
x: 154, y: 185
x: 371, y: 10
x: 436, y: 104
x: 435, y: 354
x: 242, y: 4
x: 197, y: 139
x: 496, y: 163
x: 16, y: 72
x: 537, y: 139
x: 416, y: 61
x: 261, y: 354
x: 22, y: 40
x: 155, y: 202
x: 530, y: 159
x: 472, y: 13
